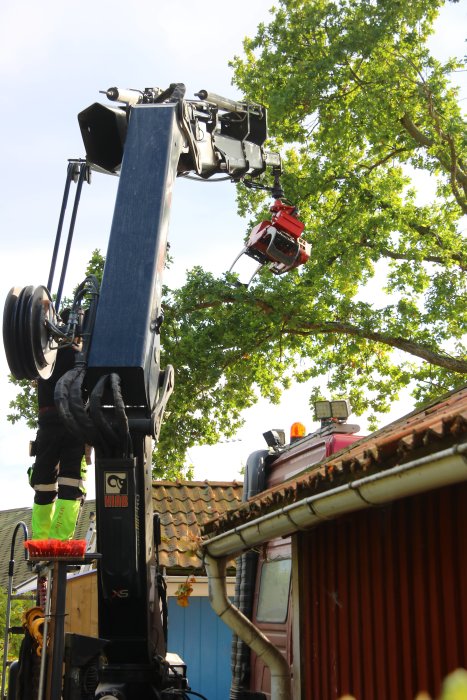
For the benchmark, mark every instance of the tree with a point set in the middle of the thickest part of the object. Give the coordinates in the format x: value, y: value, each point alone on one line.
x: 367, y: 119
x: 363, y: 114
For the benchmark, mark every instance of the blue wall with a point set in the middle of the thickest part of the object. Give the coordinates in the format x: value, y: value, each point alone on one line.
x: 203, y: 641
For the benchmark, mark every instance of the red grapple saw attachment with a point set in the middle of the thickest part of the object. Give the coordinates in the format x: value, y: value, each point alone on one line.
x: 278, y: 241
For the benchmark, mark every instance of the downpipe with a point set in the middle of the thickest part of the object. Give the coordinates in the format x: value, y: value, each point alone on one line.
x: 246, y: 630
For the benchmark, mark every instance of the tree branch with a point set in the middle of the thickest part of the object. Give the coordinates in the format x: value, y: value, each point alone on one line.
x: 384, y: 159
x: 385, y: 252
x: 304, y: 328
x: 214, y: 303
x: 424, y: 231
x: 413, y: 348
x: 452, y: 167
x: 415, y: 132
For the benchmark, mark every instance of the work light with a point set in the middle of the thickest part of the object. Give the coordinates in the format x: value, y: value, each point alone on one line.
x: 339, y: 409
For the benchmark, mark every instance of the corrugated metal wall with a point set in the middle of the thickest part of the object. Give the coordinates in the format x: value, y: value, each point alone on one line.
x: 203, y: 641
x: 384, y: 599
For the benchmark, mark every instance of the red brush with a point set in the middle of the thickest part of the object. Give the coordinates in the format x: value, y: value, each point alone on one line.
x: 48, y: 549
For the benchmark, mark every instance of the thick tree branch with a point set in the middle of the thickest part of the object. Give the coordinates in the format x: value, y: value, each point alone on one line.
x: 423, y: 230
x: 457, y: 176
x: 386, y: 253
x: 304, y: 328
x: 413, y: 348
x: 220, y: 301
x: 415, y: 132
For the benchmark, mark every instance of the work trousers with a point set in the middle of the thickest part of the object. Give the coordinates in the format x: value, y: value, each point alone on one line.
x: 57, y: 469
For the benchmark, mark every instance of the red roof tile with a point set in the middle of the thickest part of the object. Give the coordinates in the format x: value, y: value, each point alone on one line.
x: 184, y: 507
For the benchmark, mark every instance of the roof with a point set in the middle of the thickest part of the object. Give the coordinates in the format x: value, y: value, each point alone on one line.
x: 183, y: 507
x: 426, y: 431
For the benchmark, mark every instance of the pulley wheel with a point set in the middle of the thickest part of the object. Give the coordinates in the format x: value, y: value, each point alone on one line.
x: 25, y: 335
x: 22, y: 334
x: 41, y: 310
x: 12, y: 333
x: 8, y: 334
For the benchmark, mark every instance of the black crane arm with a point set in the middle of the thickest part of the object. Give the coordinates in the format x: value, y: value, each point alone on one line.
x: 153, y: 137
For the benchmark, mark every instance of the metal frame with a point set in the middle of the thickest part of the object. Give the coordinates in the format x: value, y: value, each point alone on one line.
x: 155, y: 137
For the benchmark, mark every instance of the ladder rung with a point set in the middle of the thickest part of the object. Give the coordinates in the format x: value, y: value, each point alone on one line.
x: 16, y: 630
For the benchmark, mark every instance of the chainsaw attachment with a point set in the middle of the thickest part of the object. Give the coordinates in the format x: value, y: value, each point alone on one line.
x: 277, y: 243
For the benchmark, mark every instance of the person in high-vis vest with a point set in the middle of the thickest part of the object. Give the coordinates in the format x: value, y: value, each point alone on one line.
x: 57, y: 475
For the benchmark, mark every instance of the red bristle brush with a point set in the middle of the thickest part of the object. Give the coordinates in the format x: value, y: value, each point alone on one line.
x: 50, y: 549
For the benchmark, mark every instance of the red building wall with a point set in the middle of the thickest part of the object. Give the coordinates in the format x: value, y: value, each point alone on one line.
x: 383, y: 599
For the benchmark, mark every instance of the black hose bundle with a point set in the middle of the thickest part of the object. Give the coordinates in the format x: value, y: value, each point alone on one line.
x: 68, y: 399
x: 115, y: 432
x: 104, y: 428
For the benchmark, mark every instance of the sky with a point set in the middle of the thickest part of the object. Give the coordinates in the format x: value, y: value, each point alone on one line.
x: 55, y: 57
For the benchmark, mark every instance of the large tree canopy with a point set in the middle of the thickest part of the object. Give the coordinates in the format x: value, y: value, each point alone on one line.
x: 375, y: 158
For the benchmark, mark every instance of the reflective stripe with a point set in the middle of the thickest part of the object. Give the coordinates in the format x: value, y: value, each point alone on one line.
x: 46, y: 487
x: 65, y: 481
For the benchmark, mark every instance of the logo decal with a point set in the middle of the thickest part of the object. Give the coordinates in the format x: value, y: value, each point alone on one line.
x: 116, y: 490
x: 120, y: 593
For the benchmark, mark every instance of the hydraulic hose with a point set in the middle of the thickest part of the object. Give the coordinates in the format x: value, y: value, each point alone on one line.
x: 77, y: 408
x: 109, y: 435
x: 112, y: 437
x: 63, y: 401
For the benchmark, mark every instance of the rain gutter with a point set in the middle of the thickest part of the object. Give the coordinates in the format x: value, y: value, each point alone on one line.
x: 424, y: 474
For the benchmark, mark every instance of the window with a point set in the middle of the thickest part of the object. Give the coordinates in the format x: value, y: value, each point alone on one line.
x: 273, y: 599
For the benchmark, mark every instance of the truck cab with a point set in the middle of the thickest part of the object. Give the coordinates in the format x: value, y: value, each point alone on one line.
x: 264, y: 578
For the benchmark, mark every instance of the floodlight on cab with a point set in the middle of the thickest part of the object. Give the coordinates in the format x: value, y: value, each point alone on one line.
x: 323, y: 410
x: 340, y: 409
